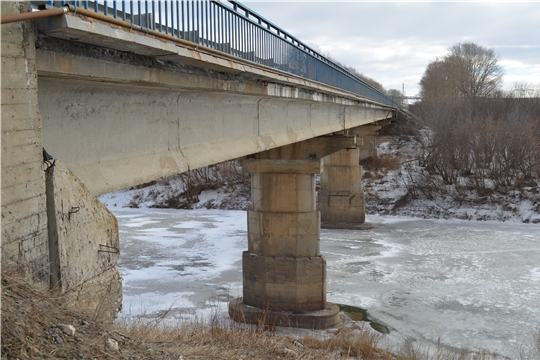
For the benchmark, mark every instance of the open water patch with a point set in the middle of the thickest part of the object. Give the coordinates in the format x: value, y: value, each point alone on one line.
x: 356, y: 313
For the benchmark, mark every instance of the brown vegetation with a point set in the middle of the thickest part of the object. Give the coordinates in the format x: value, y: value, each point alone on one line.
x: 32, y: 329
x: 485, y: 146
x: 182, y: 191
x: 479, y: 142
x: 469, y: 71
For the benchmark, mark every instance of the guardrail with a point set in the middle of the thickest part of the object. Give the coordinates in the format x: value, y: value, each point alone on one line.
x: 234, y: 29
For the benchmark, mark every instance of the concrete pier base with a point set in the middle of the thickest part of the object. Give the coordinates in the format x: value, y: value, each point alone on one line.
x: 316, y: 319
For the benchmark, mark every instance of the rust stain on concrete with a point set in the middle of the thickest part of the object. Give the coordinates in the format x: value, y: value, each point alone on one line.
x: 64, y: 66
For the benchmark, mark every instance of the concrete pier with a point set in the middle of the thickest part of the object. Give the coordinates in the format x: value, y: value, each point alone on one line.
x: 284, y: 272
x: 341, y: 199
x: 283, y: 267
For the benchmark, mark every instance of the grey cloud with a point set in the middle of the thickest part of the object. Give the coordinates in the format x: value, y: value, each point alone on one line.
x: 411, y: 34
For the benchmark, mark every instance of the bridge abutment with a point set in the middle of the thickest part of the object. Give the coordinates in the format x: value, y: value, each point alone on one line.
x: 53, y: 228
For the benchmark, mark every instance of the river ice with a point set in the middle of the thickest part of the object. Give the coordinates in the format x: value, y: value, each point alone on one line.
x: 469, y: 284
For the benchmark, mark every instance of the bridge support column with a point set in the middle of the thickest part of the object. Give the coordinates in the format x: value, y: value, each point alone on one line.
x: 341, y: 199
x: 369, y: 147
x: 284, y: 273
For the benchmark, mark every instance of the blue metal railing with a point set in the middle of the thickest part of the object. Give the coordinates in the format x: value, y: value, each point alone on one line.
x: 234, y: 29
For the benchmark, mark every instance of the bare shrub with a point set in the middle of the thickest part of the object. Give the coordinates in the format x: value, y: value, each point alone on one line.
x: 183, y: 190
x: 383, y: 163
x: 485, y: 146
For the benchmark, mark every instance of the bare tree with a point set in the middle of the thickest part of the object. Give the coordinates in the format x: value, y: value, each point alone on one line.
x: 476, y: 70
x: 469, y: 71
x: 396, y: 95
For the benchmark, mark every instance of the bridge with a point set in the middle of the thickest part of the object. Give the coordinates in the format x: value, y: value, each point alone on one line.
x: 125, y: 93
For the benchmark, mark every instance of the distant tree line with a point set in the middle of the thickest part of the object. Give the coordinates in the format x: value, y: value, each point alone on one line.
x: 478, y: 139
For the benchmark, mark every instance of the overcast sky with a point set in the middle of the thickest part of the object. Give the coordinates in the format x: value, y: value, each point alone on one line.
x: 393, y: 42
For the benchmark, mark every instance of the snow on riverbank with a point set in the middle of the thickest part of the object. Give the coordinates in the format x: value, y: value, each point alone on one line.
x: 387, y: 193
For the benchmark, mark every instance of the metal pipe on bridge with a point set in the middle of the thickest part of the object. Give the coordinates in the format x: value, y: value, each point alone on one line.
x: 6, y: 19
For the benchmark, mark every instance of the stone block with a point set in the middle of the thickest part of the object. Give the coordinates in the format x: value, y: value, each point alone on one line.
x: 29, y: 254
x: 284, y: 234
x: 11, y: 49
x: 14, y: 65
x: 342, y: 178
x: 16, y: 174
x: 19, y: 155
x: 23, y: 208
x: 24, y: 220
x: 19, y: 138
x: 282, y: 283
x: 20, y: 117
x: 342, y: 209
x: 18, y: 96
x: 283, y: 192
x: 23, y: 191
x: 15, y: 228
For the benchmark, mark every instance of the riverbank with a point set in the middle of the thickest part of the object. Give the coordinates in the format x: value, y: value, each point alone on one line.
x: 38, y: 325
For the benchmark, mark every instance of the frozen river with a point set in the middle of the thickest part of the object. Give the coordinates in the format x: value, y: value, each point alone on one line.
x: 469, y: 284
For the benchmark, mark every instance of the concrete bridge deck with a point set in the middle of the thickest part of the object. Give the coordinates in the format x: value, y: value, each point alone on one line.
x: 122, y: 108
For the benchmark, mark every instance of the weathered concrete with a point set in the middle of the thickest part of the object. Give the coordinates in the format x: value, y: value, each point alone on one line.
x: 71, y: 244
x: 368, y: 133
x: 341, y: 199
x: 84, y: 245
x: 100, y: 296
x: 368, y: 147
x: 283, y: 267
x: 83, y: 233
x: 24, y: 216
x: 176, y: 108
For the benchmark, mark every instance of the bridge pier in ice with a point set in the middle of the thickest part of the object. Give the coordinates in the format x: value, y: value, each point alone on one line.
x: 341, y: 198
x: 284, y: 272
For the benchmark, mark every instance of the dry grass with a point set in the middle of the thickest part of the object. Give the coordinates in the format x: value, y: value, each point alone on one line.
x: 410, y: 351
x: 351, y: 343
x: 30, y: 330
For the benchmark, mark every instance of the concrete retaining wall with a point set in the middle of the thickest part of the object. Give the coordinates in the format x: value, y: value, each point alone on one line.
x: 24, y: 215
x: 83, y: 233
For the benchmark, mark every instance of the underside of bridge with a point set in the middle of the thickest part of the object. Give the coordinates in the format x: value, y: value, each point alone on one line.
x: 121, y: 108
